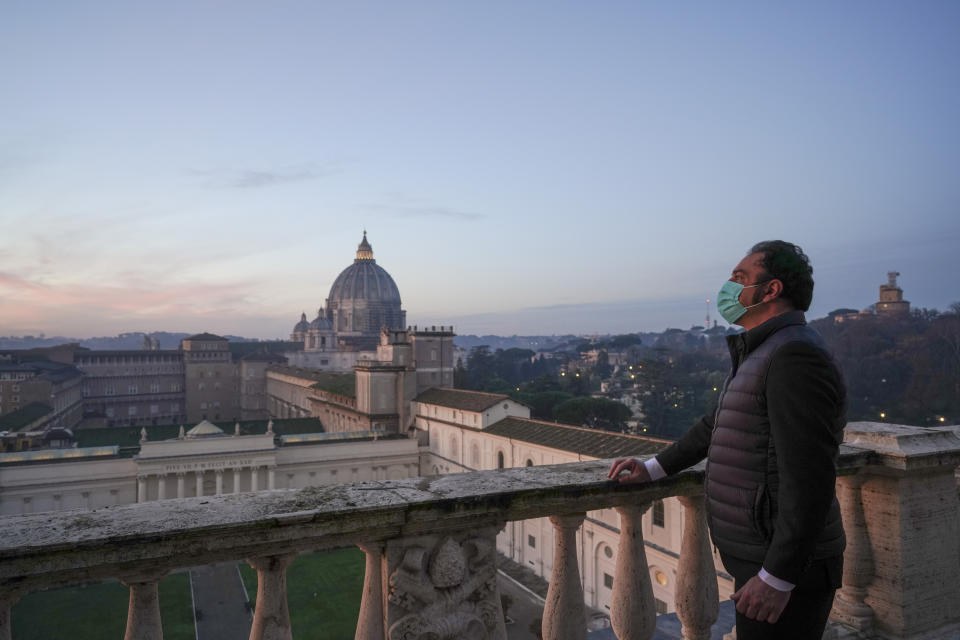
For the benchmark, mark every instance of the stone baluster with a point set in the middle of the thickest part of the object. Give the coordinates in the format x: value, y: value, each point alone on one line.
x: 162, y: 486
x: 271, y: 618
x: 8, y: 598
x: 370, y: 622
x: 849, y: 607
x: 443, y: 586
x: 236, y: 479
x: 219, y: 490
x: 633, y: 612
x: 143, y: 611
x: 271, y: 478
x: 563, y: 613
x: 199, y: 479
x: 696, y: 591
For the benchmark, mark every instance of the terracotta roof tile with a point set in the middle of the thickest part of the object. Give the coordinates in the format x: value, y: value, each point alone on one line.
x: 589, y: 442
x: 461, y: 399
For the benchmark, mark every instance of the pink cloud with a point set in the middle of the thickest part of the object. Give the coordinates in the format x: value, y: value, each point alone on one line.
x: 63, y: 308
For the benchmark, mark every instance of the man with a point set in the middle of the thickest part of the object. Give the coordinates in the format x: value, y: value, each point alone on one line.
x: 771, y: 446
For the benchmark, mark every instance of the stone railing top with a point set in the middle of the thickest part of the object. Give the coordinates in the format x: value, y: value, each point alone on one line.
x: 67, y: 547
x: 903, y: 447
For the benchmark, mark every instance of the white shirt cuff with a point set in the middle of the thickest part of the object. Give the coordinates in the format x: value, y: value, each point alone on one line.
x: 773, y: 581
x: 654, y: 469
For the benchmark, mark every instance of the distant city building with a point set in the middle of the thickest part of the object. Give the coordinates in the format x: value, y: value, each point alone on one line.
x: 891, y: 301
x: 132, y: 387
x: 363, y: 300
x: 36, y: 395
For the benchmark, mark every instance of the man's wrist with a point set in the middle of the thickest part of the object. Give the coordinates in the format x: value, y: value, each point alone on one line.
x: 775, y: 582
x: 654, y: 469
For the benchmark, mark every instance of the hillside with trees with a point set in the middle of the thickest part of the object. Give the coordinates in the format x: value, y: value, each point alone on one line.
x: 904, y: 370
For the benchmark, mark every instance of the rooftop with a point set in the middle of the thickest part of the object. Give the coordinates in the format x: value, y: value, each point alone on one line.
x: 460, y: 399
x: 589, y: 442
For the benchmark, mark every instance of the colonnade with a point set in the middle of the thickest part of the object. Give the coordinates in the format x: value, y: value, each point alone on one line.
x: 198, y: 475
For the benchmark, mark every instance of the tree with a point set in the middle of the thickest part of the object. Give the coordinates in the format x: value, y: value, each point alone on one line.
x: 594, y: 412
x: 603, y: 368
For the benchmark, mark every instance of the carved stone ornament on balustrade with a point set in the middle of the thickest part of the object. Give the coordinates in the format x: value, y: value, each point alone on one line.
x: 444, y: 586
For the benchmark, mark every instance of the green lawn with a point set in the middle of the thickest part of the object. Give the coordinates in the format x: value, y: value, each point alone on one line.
x: 323, y: 593
x: 99, y: 611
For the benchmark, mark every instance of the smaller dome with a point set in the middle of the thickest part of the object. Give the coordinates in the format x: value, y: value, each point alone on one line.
x: 205, y: 428
x: 321, y: 322
x: 302, y: 325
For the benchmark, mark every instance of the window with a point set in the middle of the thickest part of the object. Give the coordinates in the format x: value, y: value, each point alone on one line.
x: 201, y: 387
x: 154, y: 408
x: 529, y: 462
x: 531, y: 542
x: 203, y: 405
x: 174, y: 407
x: 658, y: 515
x: 132, y: 389
x: 608, y: 581
x: 110, y: 412
x: 499, y: 459
x: 109, y: 390
x: 132, y: 411
x: 16, y: 387
x: 155, y: 387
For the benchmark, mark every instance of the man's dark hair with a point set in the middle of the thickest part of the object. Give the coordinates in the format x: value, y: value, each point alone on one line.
x: 788, y: 263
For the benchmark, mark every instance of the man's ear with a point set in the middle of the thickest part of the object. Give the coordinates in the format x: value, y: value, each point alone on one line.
x: 774, y: 290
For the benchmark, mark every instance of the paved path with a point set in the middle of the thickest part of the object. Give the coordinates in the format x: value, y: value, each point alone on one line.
x: 220, y: 602
x: 524, y: 610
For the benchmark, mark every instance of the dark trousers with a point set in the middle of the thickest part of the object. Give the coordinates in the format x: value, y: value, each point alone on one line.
x: 805, y: 616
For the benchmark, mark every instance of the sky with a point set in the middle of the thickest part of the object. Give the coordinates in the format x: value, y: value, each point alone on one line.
x: 521, y: 168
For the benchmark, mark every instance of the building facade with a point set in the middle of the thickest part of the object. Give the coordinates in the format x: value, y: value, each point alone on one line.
x: 133, y: 387
x: 202, y: 461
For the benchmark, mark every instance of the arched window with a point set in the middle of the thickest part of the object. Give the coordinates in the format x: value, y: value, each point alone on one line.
x: 529, y: 462
x: 475, y: 455
x: 499, y: 459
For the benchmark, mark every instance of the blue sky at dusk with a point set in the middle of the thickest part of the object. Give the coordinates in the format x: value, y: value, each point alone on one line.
x: 540, y: 167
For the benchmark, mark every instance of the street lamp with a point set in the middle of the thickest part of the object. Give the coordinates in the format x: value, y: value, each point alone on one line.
x: 883, y: 415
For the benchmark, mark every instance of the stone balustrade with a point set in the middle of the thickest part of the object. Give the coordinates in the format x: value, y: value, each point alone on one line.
x: 430, y: 545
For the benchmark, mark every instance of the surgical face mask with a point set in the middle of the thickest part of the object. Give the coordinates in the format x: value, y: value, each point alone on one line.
x: 728, y: 300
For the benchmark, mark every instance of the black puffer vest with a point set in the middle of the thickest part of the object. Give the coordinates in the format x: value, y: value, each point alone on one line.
x: 742, y: 480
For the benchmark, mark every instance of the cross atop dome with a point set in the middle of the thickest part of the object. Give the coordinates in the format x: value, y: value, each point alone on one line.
x: 364, y: 250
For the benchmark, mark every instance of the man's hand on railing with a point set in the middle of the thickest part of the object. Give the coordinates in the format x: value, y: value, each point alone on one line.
x: 635, y: 471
